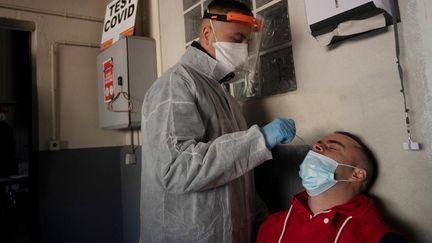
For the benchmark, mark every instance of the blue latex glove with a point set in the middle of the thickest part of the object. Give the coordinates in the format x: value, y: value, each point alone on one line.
x: 280, y: 130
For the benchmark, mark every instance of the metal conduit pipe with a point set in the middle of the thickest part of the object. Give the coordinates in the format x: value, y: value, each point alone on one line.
x: 52, y: 13
x: 53, y: 53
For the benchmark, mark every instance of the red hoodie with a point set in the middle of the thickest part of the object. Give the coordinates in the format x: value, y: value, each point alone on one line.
x: 356, y: 221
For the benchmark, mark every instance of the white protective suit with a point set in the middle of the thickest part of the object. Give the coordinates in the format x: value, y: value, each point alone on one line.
x: 197, y: 156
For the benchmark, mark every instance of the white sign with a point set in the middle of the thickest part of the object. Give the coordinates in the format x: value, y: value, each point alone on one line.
x: 119, y: 21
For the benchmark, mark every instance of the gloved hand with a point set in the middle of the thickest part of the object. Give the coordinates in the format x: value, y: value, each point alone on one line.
x: 280, y: 130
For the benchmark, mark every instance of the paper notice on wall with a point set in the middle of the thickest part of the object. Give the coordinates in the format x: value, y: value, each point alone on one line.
x: 119, y: 21
x: 352, y: 27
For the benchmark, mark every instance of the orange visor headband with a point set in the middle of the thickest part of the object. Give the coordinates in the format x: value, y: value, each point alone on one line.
x: 236, y: 18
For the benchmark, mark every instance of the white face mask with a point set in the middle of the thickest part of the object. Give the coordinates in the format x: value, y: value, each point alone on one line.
x: 233, y: 55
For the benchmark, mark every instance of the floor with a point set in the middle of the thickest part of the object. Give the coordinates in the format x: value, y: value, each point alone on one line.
x: 15, y: 214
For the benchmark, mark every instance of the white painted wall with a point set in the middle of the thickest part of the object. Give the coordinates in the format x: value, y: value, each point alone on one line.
x: 354, y: 86
x: 171, y: 31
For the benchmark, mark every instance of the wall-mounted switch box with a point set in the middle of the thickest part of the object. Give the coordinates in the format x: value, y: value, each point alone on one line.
x: 125, y: 69
x: 130, y: 159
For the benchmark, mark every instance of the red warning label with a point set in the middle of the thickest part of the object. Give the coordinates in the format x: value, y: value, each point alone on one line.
x: 108, y: 80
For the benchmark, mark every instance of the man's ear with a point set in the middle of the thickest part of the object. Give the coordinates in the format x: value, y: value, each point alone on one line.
x: 206, y: 34
x: 359, y: 175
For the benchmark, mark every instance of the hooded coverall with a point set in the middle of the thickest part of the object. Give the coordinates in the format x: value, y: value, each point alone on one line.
x: 197, y: 156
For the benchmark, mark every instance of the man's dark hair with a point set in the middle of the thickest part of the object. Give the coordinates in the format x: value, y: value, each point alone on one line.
x: 225, y: 6
x: 371, y: 161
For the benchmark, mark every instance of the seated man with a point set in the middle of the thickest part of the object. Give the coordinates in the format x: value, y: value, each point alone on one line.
x: 334, y: 173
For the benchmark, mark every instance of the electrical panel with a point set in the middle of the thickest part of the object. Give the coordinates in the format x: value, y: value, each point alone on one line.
x: 126, y: 70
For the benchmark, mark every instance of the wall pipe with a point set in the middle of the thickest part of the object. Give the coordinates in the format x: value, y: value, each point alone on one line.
x: 50, y: 12
x: 53, y: 93
x: 53, y: 53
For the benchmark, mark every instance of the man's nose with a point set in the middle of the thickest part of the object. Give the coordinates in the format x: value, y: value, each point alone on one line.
x: 319, y: 148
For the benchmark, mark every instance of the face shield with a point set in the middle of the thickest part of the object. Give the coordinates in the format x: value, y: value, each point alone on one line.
x: 247, y: 78
x: 245, y: 74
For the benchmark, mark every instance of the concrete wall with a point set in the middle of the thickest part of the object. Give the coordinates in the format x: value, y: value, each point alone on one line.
x: 76, y: 73
x: 354, y: 86
x: 77, y: 81
x: 74, y: 184
x: 80, y: 196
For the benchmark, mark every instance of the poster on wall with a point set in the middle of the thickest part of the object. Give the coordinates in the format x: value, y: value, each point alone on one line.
x: 119, y: 21
x: 108, y: 80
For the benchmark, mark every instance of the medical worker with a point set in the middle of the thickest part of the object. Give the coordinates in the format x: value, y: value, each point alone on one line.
x: 197, y: 152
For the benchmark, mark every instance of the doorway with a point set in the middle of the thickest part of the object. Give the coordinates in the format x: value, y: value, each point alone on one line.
x: 18, y: 133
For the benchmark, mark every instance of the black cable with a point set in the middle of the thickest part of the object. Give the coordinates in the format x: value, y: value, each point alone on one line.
x: 400, y: 69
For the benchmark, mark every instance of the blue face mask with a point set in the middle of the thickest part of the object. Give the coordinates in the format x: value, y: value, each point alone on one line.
x: 317, y: 173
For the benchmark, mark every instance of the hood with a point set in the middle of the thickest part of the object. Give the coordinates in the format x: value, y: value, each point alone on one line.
x: 203, y: 63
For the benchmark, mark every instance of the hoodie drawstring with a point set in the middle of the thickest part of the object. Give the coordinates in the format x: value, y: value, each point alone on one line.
x: 341, y: 228
x: 286, y: 220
